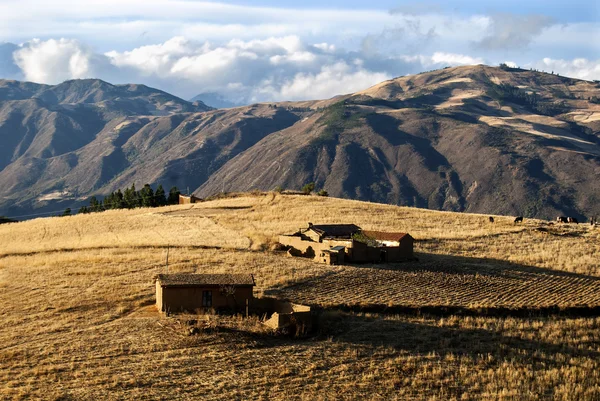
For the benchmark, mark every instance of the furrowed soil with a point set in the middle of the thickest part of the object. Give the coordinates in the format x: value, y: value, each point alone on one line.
x: 489, y: 311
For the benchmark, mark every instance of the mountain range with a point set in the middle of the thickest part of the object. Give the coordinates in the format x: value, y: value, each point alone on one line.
x: 494, y: 140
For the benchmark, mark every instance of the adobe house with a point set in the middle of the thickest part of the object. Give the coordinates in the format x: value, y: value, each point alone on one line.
x: 187, y: 199
x: 339, y: 243
x: 392, y: 247
x: 203, y: 292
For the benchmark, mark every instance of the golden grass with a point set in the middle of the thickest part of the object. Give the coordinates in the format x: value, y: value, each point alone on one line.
x: 78, y: 323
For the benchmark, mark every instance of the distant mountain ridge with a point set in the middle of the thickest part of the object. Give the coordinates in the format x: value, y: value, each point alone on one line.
x: 215, y: 100
x: 478, y: 139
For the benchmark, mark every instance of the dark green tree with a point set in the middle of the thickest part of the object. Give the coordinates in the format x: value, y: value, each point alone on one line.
x: 160, y: 197
x: 173, y: 196
x: 108, y: 202
x: 83, y: 210
x: 130, y: 197
x: 147, y: 196
x: 118, y: 198
x: 67, y: 212
x: 95, y: 206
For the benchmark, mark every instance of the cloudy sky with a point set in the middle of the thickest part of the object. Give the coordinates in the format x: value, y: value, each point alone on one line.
x: 263, y: 50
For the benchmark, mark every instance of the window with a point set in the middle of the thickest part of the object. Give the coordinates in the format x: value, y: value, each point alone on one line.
x: 207, y: 298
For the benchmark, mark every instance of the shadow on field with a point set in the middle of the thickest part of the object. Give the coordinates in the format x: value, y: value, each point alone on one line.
x: 425, y: 337
x: 467, y: 265
x: 445, y: 285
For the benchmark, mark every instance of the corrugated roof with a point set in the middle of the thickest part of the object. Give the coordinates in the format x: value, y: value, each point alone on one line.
x: 384, y: 236
x: 338, y: 248
x: 336, y: 230
x: 189, y: 279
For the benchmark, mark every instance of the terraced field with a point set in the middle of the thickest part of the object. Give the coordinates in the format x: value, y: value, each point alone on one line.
x: 446, y: 281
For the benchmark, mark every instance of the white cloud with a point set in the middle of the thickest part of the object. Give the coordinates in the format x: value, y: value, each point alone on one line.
x: 441, y: 59
x: 275, y: 68
x: 454, y: 59
x: 53, y: 61
x: 578, y: 68
x: 339, y: 78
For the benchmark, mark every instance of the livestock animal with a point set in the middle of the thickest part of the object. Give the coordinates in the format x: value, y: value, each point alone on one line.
x: 562, y: 219
x: 519, y: 219
x: 491, y: 219
x: 572, y: 220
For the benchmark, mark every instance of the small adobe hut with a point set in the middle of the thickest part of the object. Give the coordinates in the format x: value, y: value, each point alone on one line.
x: 340, y: 243
x: 203, y: 292
x: 187, y: 199
x: 394, y: 246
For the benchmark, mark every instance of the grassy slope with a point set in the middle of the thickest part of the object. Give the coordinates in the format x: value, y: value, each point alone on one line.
x: 78, y: 322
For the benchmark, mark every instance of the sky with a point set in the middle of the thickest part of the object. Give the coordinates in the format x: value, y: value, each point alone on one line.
x: 267, y: 50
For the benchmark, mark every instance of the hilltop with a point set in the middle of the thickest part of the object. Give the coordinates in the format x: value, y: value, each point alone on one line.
x: 79, y: 321
x: 476, y: 139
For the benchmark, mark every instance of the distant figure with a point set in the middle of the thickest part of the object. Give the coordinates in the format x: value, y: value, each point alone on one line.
x: 572, y: 220
x: 491, y: 219
x: 562, y: 219
x: 519, y: 219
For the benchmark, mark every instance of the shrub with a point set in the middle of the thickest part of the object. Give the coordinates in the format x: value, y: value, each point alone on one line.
x: 322, y: 192
x: 308, y: 188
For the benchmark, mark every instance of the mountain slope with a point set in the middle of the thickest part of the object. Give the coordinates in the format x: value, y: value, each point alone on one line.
x: 57, y: 139
x: 476, y: 139
x: 463, y: 139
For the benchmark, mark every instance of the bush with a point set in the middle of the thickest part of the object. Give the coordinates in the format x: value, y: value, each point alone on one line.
x: 323, y: 193
x: 308, y: 188
x: 278, y: 189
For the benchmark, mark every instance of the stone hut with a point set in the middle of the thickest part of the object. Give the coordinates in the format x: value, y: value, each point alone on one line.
x: 341, y: 243
x: 203, y: 292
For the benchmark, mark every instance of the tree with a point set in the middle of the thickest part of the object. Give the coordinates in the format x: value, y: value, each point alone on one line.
x: 147, y: 196
x: 95, y: 206
x: 323, y: 192
x: 173, y: 196
x: 119, y: 199
x: 308, y: 188
x: 160, y: 197
x: 67, y: 212
x: 130, y: 197
x: 278, y: 189
x: 108, y: 202
x: 83, y: 210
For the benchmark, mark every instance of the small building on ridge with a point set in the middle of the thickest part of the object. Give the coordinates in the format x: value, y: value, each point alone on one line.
x: 203, y: 292
x: 340, y: 243
x: 187, y: 199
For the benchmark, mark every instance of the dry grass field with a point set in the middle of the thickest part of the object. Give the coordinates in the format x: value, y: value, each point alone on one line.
x: 78, y: 321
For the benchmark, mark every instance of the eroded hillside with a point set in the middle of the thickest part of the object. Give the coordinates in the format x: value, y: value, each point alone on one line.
x: 477, y: 139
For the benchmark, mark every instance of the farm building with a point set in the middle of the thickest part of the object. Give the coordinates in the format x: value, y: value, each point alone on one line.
x: 339, y: 243
x: 187, y: 199
x: 282, y: 314
x: 203, y: 292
